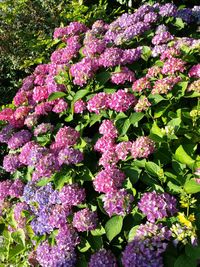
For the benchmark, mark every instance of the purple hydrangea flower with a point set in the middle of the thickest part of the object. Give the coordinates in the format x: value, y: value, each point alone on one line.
x: 43, y: 128
x: 104, y: 144
x: 66, y: 136
x: 85, y: 220
x: 54, y: 256
x: 83, y: 70
x: 108, y: 180
x: 125, y: 75
x: 157, y: 206
x: 98, y: 102
x: 16, y: 189
x: 72, y: 195
x: 4, y: 189
x: 79, y: 106
x: 194, y: 71
x: 60, y: 106
x: 103, y: 258
x: 6, y: 133
x: 168, y: 10
x: 123, y: 149
x: 117, y: 202
x: 147, y: 246
x: 67, y: 237
x: 31, y: 153
x: 121, y: 101
x: 111, y: 57
x: 18, y: 139
x: 11, y: 163
x: 69, y: 155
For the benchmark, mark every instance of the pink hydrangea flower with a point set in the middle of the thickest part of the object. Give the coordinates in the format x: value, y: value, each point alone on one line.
x: 142, y: 147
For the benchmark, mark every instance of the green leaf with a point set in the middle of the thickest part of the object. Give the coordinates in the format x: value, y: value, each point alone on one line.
x: 18, y: 249
x: 192, y: 95
x: 84, y: 245
x: 103, y: 77
x: 183, y: 86
x: 80, y: 94
x: 153, y: 169
x: 132, y: 173
x: 146, y: 53
x: 175, y: 123
x: 96, y: 242
x: 132, y: 233
x: 135, y: 117
x: 191, y: 187
x: 155, y: 133
x: 185, y: 261
x: 56, y: 95
x: 113, y: 227
x: 160, y: 110
x: 192, y: 251
x: 98, y: 231
x: 44, y: 182
x: 183, y: 157
x: 85, y: 174
x: 19, y: 237
x: 179, y: 23
x: 125, y: 127
x: 175, y: 189
x: 82, y: 262
x: 155, y: 99
x: 62, y: 179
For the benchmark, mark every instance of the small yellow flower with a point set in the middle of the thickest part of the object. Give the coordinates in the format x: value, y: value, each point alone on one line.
x: 191, y: 218
x: 184, y: 220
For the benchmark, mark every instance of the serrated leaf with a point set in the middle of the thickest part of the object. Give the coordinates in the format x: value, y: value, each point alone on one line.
x: 153, y: 169
x: 155, y: 133
x: 113, y: 227
x: 56, y: 95
x: 160, y: 110
x: 192, y: 187
x: 18, y: 249
x: 175, y: 189
x: 183, y: 157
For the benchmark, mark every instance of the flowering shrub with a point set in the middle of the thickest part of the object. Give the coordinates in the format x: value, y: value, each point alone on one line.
x: 103, y: 147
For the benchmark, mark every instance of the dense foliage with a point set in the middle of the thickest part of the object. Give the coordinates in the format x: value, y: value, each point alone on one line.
x: 102, y: 147
x: 26, y: 28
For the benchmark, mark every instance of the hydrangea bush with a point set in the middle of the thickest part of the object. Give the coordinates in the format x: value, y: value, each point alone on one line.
x: 103, y: 165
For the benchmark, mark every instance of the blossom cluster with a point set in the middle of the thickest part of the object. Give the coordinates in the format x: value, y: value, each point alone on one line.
x: 69, y: 177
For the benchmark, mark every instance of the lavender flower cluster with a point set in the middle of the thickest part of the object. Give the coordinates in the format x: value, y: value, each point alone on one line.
x: 146, y: 248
